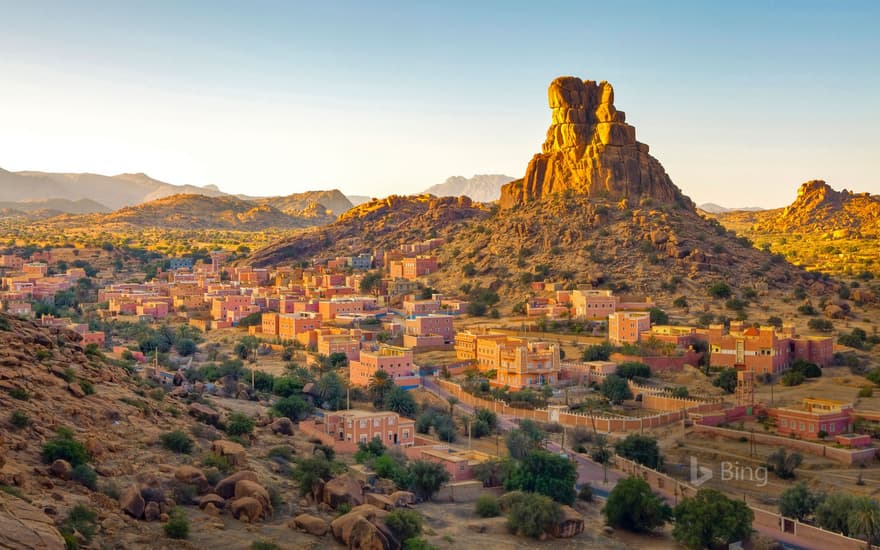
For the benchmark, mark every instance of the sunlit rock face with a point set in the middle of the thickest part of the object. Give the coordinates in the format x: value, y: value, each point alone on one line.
x: 590, y: 150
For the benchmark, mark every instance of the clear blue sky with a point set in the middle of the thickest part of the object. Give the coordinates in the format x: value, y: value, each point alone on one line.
x: 740, y: 101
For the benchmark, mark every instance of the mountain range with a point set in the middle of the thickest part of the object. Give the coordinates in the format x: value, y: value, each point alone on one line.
x: 712, y: 208
x: 480, y: 187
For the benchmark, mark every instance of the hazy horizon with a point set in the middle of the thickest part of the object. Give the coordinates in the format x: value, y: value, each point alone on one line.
x: 740, y: 103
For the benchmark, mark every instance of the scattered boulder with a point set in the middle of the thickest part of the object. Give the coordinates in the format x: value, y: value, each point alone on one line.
x: 61, y: 468
x: 364, y: 527
x: 247, y: 488
x: 204, y: 413
x: 570, y: 524
x: 403, y: 498
x: 76, y: 390
x: 190, y: 475
x: 132, y: 502
x: 311, y: 524
x: 214, y: 500
x: 226, y: 486
x: 246, y: 509
x: 22, y: 526
x: 343, y: 489
x: 152, y: 511
x: 379, y: 501
x: 233, y: 451
x: 283, y: 426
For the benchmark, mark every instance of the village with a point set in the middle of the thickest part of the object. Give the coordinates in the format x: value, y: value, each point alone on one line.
x: 368, y: 326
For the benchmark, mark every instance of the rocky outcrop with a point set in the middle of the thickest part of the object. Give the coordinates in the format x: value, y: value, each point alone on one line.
x: 283, y: 426
x: 251, y: 489
x: 24, y: 527
x: 246, y: 509
x: 204, y: 413
x: 590, y: 150
x: 226, y: 486
x: 311, y: 524
x: 232, y: 451
x: 190, y: 475
x: 343, y: 489
x: 364, y: 528
x: 132, y: 503
x: 570, y: 524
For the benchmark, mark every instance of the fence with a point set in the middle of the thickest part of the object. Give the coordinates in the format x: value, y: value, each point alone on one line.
x: 845, y: 456
x: 769, y: 523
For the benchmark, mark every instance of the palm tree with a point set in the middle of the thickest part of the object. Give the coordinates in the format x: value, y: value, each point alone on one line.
x: 380, y: 384
x: 452, y: 401
x: 864, y: 519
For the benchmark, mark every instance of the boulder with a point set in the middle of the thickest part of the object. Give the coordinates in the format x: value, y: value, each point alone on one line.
x: 252, y: 489
x: 343, y: 489
x: 226, y: 486
x: 61, y: 468
x: 22, y: 526
x: 233, y: 451
x: 190, y: 475
x: 76, y: 390
x: 132, y: 502
x: 152, y: 511
x: 204, y: 413
x: 360, y: 529
x: 246, y: 509
x: 215, y: 500
x: 570, y: 524
x: 379, y: 501
x: 283, y: 426
x: 311, y: 524
x: 403, y: 498
x: 212, y: 510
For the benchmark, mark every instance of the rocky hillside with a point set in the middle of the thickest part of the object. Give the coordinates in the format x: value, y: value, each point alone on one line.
x: 202, y: 212
x: 590, y: 150
x: 298, y: 204
x: 380, y: 223
x: 41, y: 208
x: 481, y: 187
x: 593, y: 208
x: 818, y: 209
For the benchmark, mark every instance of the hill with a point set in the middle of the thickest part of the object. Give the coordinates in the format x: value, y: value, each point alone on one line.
x: 593, y: 207
x: 202, y: 212
x: 111, y: 191
x: 712, y: 208
x: 66, y: 206
x: 480, y: 187
x: 358, y: 199
x: 299, y: 203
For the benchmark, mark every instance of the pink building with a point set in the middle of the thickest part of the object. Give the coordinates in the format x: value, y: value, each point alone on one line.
x: 396, y: 361
x: 627, y: 326
x: 412, y: 307
x: 428, y: 330
x: 459, y: 463
x: 414, y: 267
x: 817, y: 415
x: 329, y: 309
x: 358, y: 426
x: 338, y: 340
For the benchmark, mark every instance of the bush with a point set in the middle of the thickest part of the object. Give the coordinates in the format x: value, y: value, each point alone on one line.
x: 586, y: 493
x: 866, y: 391
x: 264, y: 545
x: 719, y: 290
x: 81, y: 519
x: 183, y: 493
x: 632, y: 506
x: 177, y: 441
x: 19, y: 419
x: 239, y: 424
x: 87, y: 387
x: 85, y: 475
x: 711, y: 520
x: 783, y: 463
x: 426, y: 478
x: 487, y: 506
x: 793, y: 378
x: 285, y: 453
x: 292, y: 407
x: 63, y: 446
x: 807, y: 368
x: 19, y: 393
x: 822, y: 325
x: 640, y: 448
x: 533, y: 515
x: 632, y: 369
x: 177, y: 526
x: 545, y: 473
x: 406, y: 524
x: 726, y: 380
x: 598, y: 352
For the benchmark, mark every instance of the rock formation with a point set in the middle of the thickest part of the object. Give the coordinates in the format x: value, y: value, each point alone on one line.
x: 590, y: 150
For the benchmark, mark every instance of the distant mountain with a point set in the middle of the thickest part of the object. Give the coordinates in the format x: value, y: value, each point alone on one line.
x: 712, y: 208
x: 66, y: 206
x: 190, y: 211
x: 332, y: 200
x: 358, y: 199
x: 481, y: 187
x: 111, y: 191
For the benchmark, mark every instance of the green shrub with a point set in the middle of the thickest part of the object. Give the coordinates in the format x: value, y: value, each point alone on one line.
x: 239, y: 424
x: 343, y: 509
x: 86, y: 476
x: 111, y: 489
x: 63, y: 446
x: 405, y: 524
x: 19, y: 393
x: 183, y: 493
x: 177, y: 441
x: 264, y: 545
x: 487, y: 506
x: 19, y: 419
x: 792, y: 378
x: 866, y: 391
x: 81, y: 519
x: 586, y: 493
x: 212, y: 460
x: 532, y: 515
x: 177, y: 526
x: 284, y: 452
x: 157, y: 394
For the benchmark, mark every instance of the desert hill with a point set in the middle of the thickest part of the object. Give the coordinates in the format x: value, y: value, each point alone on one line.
x: 480, y: 187
x: 594, y: 207
x: 203, y: 212
x: 40, y: 207
x: 712, y: 208
x: 298, y: 203
x: 817, y: 209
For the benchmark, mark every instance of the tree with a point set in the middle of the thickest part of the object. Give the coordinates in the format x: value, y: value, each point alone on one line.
x: 632, y: 506
x: 292, y: 407
x: 711, y: 519
x: 371, y: 283
x: 483, y: 423
x: 309, y: 471
x: 726, y: 380
x: 783, y: 464
x: 380, y: 384
x: 185, y: 346
x: 615, y: 389
x: 533, y: 515
x: 864, y: 519
x: 545, y: 473
x: 792, y: 378
x: 832, y: 514
x: 331, y: 390
x: 453, y: 401
x: 719, y: 290
x: 369, y: 450
x: 426, y: 478
x: 798, y: 502
x: 177, y: 526
x: 493, y: 473
x: 400, y: 401
x: 338, y: 360
x: 640, y: 448
x: 632, y: 369
x: 239, y: 424
x: 406, y: 524
x: 521, y: 441
x: 658, y: 316
x: 598, y: 352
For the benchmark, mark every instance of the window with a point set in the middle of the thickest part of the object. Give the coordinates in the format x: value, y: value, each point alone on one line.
x: 375, y: 422
x: 363, y: 423
x: 405, y: 434
x: 784, y: 423
x: 390, y: 420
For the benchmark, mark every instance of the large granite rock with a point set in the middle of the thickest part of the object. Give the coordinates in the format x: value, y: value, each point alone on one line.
x: 252, y: 489
x: 24, y: 527
x: 226, y: 486
x: 570, y: 524
x: 590, y: 150
x: 364, y: 528
x: 311, y: 524
x: 190, y: 475
x: 132, y: 502
x: 343, y: 489
x: 234, y: 452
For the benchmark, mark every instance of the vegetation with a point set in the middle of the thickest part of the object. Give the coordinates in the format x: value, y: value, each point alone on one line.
x: 615, y: 389
x: 711, y: 519
x: 487, y: 506
x: 783, y: 463
x: 19, y: 419
x: 426, y: 478
x: 239, y: 424
x: 400, y: 401
x: 177, y: 441
x: 640, y: 448
x: 632, y: 506
x: 523, y: 440
x: 85, y: 475
x: 293, y: 408
x: 798, y: 502
x: 406, y: 524
x: 81, y: 519
x: 598, y: 352
x: 309, y: 471
x: 533, y: 515
x: 633, y: 369
x: 545, y: 473
x: 65, y: 447
x: 726, y: 380
x: 177, y: 526
x: 720, y: 291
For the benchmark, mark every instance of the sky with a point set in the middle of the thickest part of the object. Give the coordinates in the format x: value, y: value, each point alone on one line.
x: 740, y: 101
